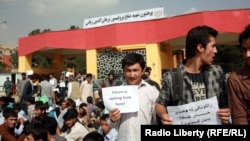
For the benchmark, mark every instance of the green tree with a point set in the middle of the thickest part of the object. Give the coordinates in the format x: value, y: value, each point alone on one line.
x: 80, y: 64
x: 34, y: 32
x: 46, y: 30
x: 2, y: 66
x: 229, y: 57
x: 14, y: 58
x: 72, y: 27
x: 40, y: 61
x: 77, y: 63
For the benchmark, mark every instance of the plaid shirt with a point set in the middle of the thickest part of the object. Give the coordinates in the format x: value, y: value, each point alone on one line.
x: 214, y: 83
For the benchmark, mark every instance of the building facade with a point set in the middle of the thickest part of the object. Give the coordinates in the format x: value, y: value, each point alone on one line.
x: 106, y: 45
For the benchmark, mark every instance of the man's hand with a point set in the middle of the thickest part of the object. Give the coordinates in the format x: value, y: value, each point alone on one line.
x: 224, y: 115
x: 115, y: 115
x: 166, y: 120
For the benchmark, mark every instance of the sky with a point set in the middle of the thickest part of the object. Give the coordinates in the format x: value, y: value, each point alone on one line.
x: 24, y: 16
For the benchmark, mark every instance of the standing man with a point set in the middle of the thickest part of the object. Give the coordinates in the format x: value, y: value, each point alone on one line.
x: 52, y: 80
x: 21, y: 84
x: 109, y: 82
x: 129, y: 124
x: 7, y: 86
x: 146, y: 77
x: 239, y: 84
x: 86, y: 88
x: 201, y: 79
x: 46, y: 89
x: 28, y: 87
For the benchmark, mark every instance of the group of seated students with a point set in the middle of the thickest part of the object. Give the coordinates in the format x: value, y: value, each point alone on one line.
x: 66, y: 121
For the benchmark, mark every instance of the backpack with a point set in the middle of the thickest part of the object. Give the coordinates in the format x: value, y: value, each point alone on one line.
x: 177, y: 81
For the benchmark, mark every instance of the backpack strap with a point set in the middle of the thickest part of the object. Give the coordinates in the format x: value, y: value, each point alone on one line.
x: 177, y: 85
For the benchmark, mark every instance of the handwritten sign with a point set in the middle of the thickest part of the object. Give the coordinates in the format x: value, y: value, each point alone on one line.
x: 141, y: 15
x: 125, y: 98
x: 196, y: 113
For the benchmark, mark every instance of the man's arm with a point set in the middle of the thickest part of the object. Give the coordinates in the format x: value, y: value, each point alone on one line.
x: 162, y: 113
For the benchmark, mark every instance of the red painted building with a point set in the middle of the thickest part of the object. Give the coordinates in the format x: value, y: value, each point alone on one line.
x: 151, y: 35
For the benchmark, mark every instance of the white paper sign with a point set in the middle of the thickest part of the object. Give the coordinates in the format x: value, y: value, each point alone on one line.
x: 125, y: 98
x: 196, y: 113
x: 68, y: 74
x: 29, y: 72
x: 62, y: 84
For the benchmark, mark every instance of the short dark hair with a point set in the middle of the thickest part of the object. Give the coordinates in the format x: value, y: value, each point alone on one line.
x: 198, y: 35
x: 133, y: 58
x: 245, y: 34
x: 70, y: 114
x: 93, y: 136
x: 37, y: 130
x: 104, y: 117
x: 89, y: 75
x: 9, y: 112
x: 100, y: 104
x: 83, y: 104
x: 50, y: 124
x: 31, y: 100
x: 40, y: 105
x: 90, y: 99
x: 71, y: 103
x: 148, y: 69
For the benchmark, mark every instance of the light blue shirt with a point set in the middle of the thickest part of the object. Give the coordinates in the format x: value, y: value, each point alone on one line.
x: 111, y: 136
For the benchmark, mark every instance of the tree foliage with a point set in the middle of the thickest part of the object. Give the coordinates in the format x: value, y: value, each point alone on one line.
x: 229, y: 57
x: 73, y: 27
x: 34, y: 32
x: 2, y: 66
x: 39, y: 61
x: 77, y: 63
x: 14, y: 58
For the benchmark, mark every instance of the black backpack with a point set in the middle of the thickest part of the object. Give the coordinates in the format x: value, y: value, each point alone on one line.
x: 177, y: 81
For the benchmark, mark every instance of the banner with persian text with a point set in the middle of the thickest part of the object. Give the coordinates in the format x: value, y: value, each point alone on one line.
x: 142, y: 15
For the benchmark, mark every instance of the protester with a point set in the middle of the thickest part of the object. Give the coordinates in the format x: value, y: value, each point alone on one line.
x: 129, y: 124
x: 7, y: 129
x: 146, y: 77
x: 239, y: 84
x: 201, y: 79
x: 93, y: 136
x: 109, y: 133
x: 76, y: 131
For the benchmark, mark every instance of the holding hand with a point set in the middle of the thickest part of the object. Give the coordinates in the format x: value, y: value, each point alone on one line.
x: 115, y: 115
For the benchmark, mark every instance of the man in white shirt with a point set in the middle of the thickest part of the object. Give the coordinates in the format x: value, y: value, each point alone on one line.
x: 129, y: 124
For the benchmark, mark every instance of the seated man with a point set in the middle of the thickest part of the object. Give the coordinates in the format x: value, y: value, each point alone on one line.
x: 75, y: 130
x: 109, y: 133
x: 7, y: 129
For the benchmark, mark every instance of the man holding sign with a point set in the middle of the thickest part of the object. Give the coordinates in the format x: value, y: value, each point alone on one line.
x: 128, y: 122
x: 201, y: 79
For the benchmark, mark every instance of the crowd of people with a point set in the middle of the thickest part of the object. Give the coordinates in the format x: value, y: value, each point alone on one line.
x: 70, y: 109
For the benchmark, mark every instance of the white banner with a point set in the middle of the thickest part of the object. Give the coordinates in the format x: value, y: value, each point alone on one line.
x: 142, y: 15
x: 196, y: 113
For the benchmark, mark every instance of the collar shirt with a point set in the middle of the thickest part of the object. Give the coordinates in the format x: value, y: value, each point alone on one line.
x: 214, y: 85
x: 111, y: 136
x: 129, y: 125
x: 239, y: 96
